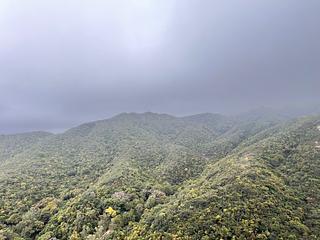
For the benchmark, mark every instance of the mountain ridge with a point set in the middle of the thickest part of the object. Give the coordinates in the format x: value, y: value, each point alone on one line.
x: 156, y: 176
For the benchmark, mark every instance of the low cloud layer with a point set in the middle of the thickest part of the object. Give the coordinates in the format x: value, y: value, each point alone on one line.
x: 67, y: 62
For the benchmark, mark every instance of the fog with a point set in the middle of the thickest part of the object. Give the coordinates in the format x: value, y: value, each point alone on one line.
x: 67, y: 62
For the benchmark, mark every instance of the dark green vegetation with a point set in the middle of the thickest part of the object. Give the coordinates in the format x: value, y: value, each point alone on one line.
x: 152, y: 176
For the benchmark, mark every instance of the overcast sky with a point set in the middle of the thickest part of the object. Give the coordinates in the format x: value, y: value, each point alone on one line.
x: 65, y: 62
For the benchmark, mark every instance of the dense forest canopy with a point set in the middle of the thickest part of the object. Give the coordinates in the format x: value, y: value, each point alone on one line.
x: 156, y: 176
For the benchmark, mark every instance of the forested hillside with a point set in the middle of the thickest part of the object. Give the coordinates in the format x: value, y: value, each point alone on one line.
x: 156, y: 176
x: 11, y: 145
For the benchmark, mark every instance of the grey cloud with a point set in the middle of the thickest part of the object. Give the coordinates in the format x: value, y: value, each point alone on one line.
x: 66, y: 62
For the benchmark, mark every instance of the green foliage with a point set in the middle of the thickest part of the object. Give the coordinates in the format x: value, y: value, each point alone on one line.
x: 151, y: 176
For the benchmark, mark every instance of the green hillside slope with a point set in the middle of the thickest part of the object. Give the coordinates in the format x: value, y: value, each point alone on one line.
x: 11, y: 145
x: 155, y: 176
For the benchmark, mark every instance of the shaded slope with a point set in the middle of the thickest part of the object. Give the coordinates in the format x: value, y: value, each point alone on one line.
x: 10, y: 145
x: 269, y: 190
